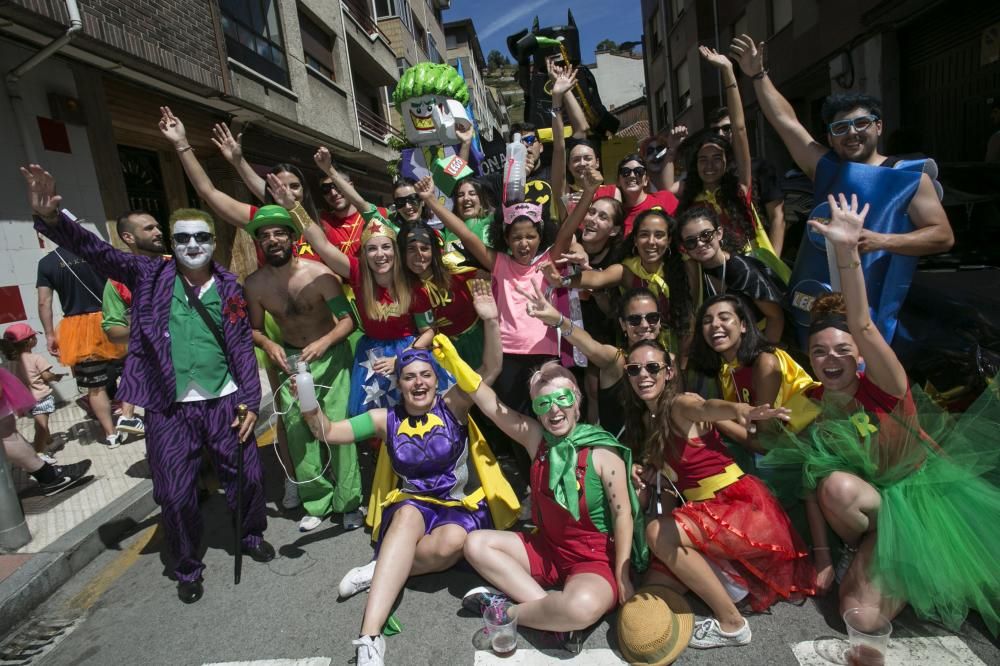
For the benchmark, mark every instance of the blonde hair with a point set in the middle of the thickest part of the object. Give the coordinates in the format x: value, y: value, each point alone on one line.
x: 551, y: 372
x: 399, y: 289
x: 190, y: 214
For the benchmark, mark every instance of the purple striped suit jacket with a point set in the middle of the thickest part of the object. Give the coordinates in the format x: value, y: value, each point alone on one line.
x: 149, y: 380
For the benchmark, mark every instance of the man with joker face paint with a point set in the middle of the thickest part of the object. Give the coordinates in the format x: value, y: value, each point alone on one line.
x: 190, y: 375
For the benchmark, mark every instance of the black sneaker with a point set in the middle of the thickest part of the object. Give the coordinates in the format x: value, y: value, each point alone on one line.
x: 67, y: 476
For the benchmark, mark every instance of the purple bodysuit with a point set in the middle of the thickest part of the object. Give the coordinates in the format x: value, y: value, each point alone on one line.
x: 430, y: 455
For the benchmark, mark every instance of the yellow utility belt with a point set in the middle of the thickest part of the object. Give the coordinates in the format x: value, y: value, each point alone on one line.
x: 708, y: 486
x: 471, y: 502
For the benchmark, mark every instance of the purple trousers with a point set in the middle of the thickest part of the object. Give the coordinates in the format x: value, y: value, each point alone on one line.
x: 174, y: 440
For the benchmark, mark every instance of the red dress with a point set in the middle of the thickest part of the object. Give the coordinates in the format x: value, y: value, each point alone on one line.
x: 661, y: 200
x: 742, y: 529
x: 393, y: 325
x: 563, y: 546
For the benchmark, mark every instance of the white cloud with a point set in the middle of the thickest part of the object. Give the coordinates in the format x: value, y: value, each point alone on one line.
x: 510, y: 18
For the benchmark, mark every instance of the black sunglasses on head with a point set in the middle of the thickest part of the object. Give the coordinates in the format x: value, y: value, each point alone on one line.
x: 652, y: 368
x: 639, y: 171
x: 402, y: 202
x: 182, y: 238
x: 702, y: 238
x: 652, y: 318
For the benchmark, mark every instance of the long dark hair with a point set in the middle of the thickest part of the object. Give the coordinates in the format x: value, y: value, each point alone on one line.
x: 439, y: 274
x: 752, y: 343
x: 616, y: 245
x: 729, y: 242
x: 485, y: 200
x: 648, y: 438
x: 307, y: 198
x: 681, y: 307
x: 729, y: 187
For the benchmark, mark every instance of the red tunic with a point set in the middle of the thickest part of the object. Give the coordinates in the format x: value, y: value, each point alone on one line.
x: 345, y: 232
x: 700, y: 458
x: 396, y: 325
x: 453, y: 310
x: 661, y: 200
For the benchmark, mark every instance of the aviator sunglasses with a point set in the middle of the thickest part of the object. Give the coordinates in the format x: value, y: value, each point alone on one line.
x: 652, y: 367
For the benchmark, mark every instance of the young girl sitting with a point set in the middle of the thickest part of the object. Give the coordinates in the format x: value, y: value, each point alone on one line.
x: 36, y: 373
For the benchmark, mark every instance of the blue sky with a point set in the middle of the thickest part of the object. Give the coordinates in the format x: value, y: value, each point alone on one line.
x: 596, y: 20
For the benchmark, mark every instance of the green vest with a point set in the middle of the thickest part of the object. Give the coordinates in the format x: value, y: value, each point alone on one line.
x: 193, y: 350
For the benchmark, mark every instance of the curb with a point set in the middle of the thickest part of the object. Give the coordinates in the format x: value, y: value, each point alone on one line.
x: 48, y: 569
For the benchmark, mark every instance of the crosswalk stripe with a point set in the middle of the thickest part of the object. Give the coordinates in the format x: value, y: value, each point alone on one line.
x: 594, y: 657
x: 311, y: 661
x: 936, y: 650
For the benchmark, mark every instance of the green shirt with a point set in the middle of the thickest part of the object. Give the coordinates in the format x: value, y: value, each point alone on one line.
x: 113, y: 308
x: 194, y: 351
x: 477, y: 225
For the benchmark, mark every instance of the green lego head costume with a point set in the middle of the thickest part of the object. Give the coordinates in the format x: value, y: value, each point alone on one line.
x: 272, y: 215
x: 431, y: 98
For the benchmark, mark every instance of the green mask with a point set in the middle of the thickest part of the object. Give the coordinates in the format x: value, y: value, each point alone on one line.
x: 563, y: 397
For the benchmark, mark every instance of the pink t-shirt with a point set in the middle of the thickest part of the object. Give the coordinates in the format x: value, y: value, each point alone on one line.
x: 30, y: 371
x: 521, y: 333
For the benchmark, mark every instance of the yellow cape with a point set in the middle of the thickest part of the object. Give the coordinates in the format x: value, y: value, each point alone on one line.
x: 500, y: 497
x: 795, y: 382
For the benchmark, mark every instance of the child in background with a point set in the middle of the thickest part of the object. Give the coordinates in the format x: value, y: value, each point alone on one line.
x: 36, y: 373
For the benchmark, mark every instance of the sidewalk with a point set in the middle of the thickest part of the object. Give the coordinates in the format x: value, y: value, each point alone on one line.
x: 70, y: 529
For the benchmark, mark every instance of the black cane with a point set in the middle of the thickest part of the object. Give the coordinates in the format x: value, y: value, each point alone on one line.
x: 241, y: 415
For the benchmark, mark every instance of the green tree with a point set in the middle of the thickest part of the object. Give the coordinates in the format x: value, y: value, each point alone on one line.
x: 607, y: 45
x: 495, y: 60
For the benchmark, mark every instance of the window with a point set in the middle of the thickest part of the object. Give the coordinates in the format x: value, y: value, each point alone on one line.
x: 395, y: 9
x: 402, y: 64
x: 661, y: 107
x: 317, y: 44
x: 253, y: 36
x: 451, y: 40
x: 654, y: 31
x: 682, y: 82
x: 432, y: 50
x: 781, y: 14
x: 420, y: 37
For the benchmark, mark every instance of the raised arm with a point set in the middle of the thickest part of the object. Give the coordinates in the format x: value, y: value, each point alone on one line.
x: 470, y: 241
x: 805, y: 150
x: 843, y: 231
x: 312, y: 232
x: 232, y: 150
x: 458, y: 396
x: 525, y: 431
x: 741, y: 143
x: 226, y: 207
x: 324, y: 161
x: 592, y: 179
x: 540, y: 308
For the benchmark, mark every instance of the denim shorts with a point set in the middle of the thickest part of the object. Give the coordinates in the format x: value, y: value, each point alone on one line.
x: 45, y: 405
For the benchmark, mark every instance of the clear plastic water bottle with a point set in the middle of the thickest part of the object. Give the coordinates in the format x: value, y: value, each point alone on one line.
x: 513, y: 171
x: 306, y: 388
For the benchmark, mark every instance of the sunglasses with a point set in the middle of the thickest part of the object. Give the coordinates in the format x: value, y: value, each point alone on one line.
x: 860, y: 124
x: 563, y: 397
x: 639, y: 171
x: 529, y: 140
x: 652, y: 318
x: 409, y: 199
x: 653, y: 368
x: 703, y: 238
x: 182, y: 238
x: 326, y: 188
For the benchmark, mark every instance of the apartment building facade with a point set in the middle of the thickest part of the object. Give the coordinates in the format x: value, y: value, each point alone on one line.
x: 463, y: 47
x: 289, y: 74
x: 936, y: 70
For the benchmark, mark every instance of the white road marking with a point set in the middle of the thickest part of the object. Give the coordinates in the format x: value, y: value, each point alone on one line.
x: 594, y: 657
x: 936, y: 650
x: 312, y: 661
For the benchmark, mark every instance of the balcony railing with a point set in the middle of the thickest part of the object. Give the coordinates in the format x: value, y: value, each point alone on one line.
x: 358, y: 10
x: 375, y: 125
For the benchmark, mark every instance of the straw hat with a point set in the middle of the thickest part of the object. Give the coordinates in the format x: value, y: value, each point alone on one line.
x: 654, y: 626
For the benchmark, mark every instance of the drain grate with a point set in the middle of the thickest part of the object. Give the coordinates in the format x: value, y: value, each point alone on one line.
x: 34, y: 639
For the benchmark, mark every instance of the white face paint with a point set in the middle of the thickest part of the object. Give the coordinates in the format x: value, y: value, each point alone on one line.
x: 193, y: 255
x: 430, y: 120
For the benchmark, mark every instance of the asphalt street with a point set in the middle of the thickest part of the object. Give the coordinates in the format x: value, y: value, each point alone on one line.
x: 122, y: 609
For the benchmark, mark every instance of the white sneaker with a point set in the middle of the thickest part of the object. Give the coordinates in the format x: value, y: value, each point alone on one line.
x: 132, y: 425
x: 353, y: 520
x: 46, y: 458
x: 112, y: 441
x: 371, y: 651
x: 309, y: 523
x: 708, y: 634
x: 356, y: 580
x: 291, y: 498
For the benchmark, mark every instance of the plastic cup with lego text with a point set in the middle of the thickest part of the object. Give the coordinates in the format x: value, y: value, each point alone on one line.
x: 501, y: 627
x: 868, y: 634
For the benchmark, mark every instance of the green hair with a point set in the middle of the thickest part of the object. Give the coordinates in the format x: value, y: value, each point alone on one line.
x: 428, y: 78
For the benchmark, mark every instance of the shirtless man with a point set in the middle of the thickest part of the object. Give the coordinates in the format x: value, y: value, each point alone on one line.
x: 307, y: 302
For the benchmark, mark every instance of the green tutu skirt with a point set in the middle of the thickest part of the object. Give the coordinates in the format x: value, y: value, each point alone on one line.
x: 937, y: 541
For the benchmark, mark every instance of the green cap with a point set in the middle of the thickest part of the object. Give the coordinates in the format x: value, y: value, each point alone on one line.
x: 269, y: 216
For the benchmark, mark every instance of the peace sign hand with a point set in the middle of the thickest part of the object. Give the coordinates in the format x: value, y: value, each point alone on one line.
x: 539, y: 307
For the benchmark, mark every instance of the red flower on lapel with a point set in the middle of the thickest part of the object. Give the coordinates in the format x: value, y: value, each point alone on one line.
x: 236, y: 308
